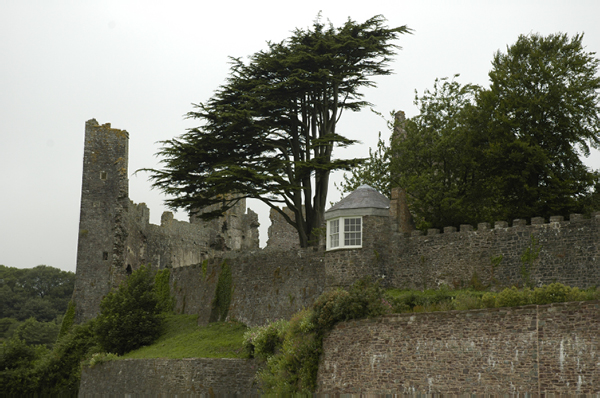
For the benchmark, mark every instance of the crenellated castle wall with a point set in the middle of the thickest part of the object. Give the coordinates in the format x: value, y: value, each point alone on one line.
x: 557, y: 353
x: 569, y: 253
x: 116, y: 237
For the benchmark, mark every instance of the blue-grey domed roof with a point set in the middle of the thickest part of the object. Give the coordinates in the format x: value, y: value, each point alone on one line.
x: 365, y: 198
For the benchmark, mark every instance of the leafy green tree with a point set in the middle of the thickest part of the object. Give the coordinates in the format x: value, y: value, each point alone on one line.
x: 7, y: 327
x: 438, y: 161
x: 507, y: 152
x: 34, y: 333
x: 269, y: 132
x: 59, y: 372
x: 17, y: 360
x: 374, y: 171
x: 39, y: 309
x: 130, y: 317
x: 42, y: 292
x: 540, y: 113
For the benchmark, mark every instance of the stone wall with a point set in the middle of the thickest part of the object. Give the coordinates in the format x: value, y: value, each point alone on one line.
x: 104, y: 203
x: 116, y: 237
x: 170, y: 377
x: 550, y: 349
x: 282, y: 236
x: 273, y: 284
x: 175, y: 243
x: 266, y: 286
x: 569, y: 254
x: 539, y: 350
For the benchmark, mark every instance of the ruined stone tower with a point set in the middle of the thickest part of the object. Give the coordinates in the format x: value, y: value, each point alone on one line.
x: 104, y: 202
x: 116, y: 236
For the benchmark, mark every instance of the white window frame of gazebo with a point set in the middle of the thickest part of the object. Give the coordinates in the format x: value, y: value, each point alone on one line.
x: 344, y: 233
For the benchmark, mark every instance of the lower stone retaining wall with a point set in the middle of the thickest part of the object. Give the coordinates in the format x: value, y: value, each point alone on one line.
x: 550, y: 349
x: 541, y: 350
x: 168, y: 377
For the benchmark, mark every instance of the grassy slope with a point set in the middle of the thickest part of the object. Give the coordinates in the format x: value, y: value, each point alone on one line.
x: 182, y: 338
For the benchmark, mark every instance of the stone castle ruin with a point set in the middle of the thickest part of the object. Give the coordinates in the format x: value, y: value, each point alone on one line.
x: 115, y: 234
x: 367, y: 234
x: 551, y: 349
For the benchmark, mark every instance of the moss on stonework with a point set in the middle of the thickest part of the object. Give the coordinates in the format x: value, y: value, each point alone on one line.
x: 204, y: 267
x: 223, y: 293
x: 68, y: 319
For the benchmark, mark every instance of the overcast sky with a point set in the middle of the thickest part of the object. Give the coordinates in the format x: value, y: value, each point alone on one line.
x: 141, y: 64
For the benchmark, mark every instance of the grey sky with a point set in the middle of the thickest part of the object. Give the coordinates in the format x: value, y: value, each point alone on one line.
x: 140, y: 64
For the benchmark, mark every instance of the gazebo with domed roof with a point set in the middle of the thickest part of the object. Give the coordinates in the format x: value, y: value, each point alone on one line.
x: 350, y: 221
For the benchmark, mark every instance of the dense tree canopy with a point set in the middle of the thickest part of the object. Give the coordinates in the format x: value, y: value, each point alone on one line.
x: 507, y: 152
x: 269, y: 132
x: 542, y: 112
x: 438, y: 161
x: 42, y: 292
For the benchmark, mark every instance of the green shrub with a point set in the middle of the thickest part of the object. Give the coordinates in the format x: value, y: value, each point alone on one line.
x: 291, y: 349
x: 33, y: 370
x: 59, y: 372
x: 17, y: 358
x: 592, y: 293
x: 442, y: 299
x: 293, y: 366
x: 462, y: 302
x: 489, y: 300
x: 557, y: 293
x: 130, y: 317
x: 263, y: 341
x: 513, y: 297
x: 364, y: 299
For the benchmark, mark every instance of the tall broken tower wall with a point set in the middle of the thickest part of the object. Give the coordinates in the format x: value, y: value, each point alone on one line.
x: 116, y: 236
x: 104, y: 202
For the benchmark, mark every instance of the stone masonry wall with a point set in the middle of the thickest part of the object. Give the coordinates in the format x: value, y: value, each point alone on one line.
x: 282, y: 236
x: 569, y: 254
x: 265, y: 285
x: 175, y: 243
x: 170, y: 377
x: 104, y: 202
x: 273, y: 284
x: 116, y: 237
x: 550, y: 349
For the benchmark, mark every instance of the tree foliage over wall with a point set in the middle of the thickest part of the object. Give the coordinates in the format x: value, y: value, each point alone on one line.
x: 509, y: 151
x: 269, y: 132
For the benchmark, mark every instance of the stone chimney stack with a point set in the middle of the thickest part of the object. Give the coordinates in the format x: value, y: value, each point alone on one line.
x: 399, y: 211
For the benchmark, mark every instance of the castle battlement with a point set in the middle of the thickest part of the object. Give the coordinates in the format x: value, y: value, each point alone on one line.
x: 116, y: 238
x: 536, y: 223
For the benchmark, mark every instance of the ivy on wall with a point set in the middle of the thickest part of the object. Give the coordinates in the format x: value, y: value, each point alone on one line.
x: 223, y: 292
